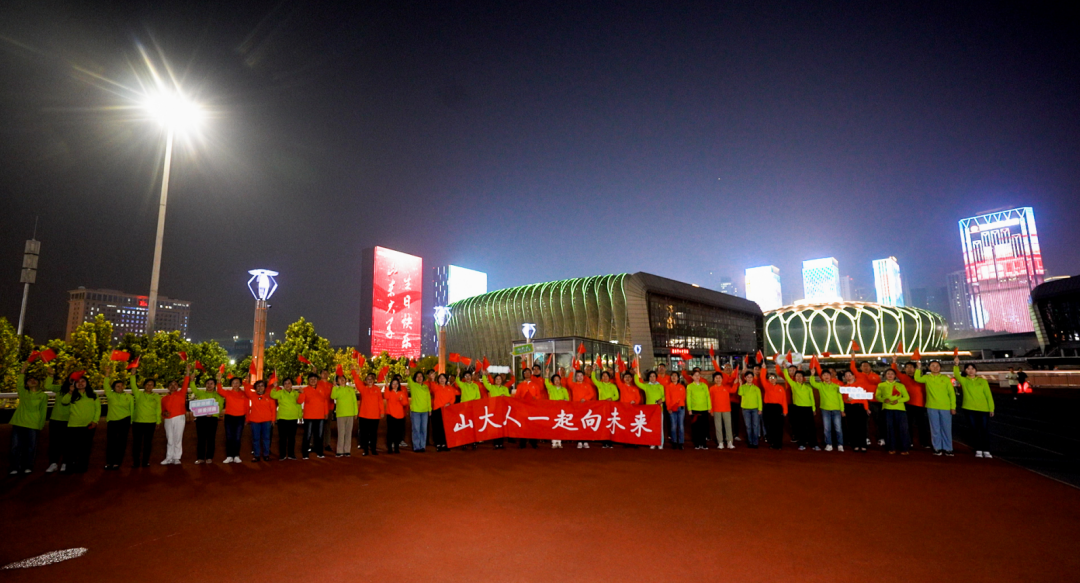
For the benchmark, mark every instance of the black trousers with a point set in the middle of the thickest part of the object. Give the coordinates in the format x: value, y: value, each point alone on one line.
x: 234, y: 432
x: 80, y: 442
x: 979, y: 425
x: 142, y: 435
x: 699, y: 428
x: 855, y: 425
x: 773, y: 417
x: 313, y: 430
x: 918, y: 424
x: 206, y: 434
x: 395, y: 432
x: 802, y: 424
x: 896, y: 430
x: 736, y: 419
x: 116, y: 436
x: 369, y: 432
x: 878, y: 415
x: 287, y: 438
x: 57, y: 440
x: 438, y: 432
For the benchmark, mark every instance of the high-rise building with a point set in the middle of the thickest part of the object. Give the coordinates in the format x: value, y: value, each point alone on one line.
x: 847, y: 288
x: 763, y: 287
x: 890, y: 291
x: 1002, y: 264
x: 727, y: 286
x: 959, y: 302
x: 391, y: 297
x: 450, y: 284
x: 127, y: 312
x: 821, y: 280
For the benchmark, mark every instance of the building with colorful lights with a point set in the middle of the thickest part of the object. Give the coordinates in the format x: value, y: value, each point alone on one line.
x: 830, y: 327
x: 890, y: 291
x: 821, y: 280
x: 126, y: 312
x: 1002, y: 264
x: 763, y: 287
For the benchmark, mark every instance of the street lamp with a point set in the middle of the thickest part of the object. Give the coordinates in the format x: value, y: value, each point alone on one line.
x: 178, y: 114
x: 262, y: 285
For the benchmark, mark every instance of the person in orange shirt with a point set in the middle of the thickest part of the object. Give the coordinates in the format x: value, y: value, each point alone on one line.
x: 675, y: 398
x: 442, y: 395
x: 261, y: 413
x: 372, y: 408
x: 868, y: 380
x: 396, y: 402
x: 236, y: 410
x: 316, y: 401
x: 856, y: 414
x: 629, y: 394
x: 720, y: 407
x: 581, y: 390
x: 530, y: 387
x: 174, y: 412
x: 775, y: 399
x: 918, y: 422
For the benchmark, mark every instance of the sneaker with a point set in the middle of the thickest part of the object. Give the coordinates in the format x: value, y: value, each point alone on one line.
x: 802, y: 448
x: 720, y: 445
x: 52, y: 468
x: 905, y: 453
x: 730, y: 445
x: 881, y: 443
x: 840, y: 448
x: 164, y: 462
x: 586, y: 445
x: 63, y: 467
x: 817, y: 448
x: 737, y: 438
x: 27, y: 471
x: 938, y: 452
x: 580, y: 445
x: 948, y: 454
x: 176, y: 462
x: 978, y: 454
x: 13, y: 473
x: 197, y: 462
x: 828, y: 448
x: 987, y: 455
x: 320, y: 456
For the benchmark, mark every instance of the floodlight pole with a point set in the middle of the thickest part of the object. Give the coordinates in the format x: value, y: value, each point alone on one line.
x: 151, y: 308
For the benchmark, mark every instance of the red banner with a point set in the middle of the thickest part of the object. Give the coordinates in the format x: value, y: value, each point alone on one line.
x: 395, y: 304
x: 497, y: 417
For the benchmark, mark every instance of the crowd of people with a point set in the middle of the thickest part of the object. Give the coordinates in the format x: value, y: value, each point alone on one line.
x: 905, y: 405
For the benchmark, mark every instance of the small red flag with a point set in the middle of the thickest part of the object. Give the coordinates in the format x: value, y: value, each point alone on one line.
x: 788, y: 358
x: 119, y: 356
x: 356, y: 355
x: 956, y: 351
x: 487, y: 363
x: 712, y: 353
x: 687, y: 357
x: 453, y: 357
x: 228, y: 377
x: 302, y: 358
x: 273, y: 378
x: 48, y: 355
x: 340, y: 371
x: 759, y: 357
x: 382, y: 373
x: 900, y: 347
x: 299, y: 379
x: 855, y: 347
x: 252, y: 370
x: 581, y: 348
x: 466, y: 361
x: 77, y: 375
x: 221, y: 369
x: 826, y: 354
x: 183, y: 355
x: 135, y: 363
x: 33, y: 356
x: 916, y: 355
x: 599, y: 362
x: 360, y: 360
x: 200, y: 366
x: 895, y: 392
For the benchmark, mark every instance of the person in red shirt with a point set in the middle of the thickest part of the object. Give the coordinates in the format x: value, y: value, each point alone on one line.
x: 236, y: 410
x: 442, y: 395
x: 581, y: 390
x: 918, y: 422
x: 775, y: 406
x: 316, y: 401
x: 261, y: 413
x: 396, y: 402
x: 372, y: 408
x: 868, y: 380
x: 174, y: 412
x: 629, y: 394
x: 856, y: 413
x: 675, y: 398
x: 720, y: 407
x: 530, y: 387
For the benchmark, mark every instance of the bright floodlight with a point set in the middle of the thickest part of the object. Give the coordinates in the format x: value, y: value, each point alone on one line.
x: 264, y: 283
x: 174, y: 111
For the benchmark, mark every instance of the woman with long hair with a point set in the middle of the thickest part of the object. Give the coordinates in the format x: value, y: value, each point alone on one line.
x: 397, y: 401
x: 419, y: 410
x: 85, y: 415
x: 978, y: 406
x: 27, y: 422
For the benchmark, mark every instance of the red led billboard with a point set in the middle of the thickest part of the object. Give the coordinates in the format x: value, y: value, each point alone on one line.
x: 396, y: 302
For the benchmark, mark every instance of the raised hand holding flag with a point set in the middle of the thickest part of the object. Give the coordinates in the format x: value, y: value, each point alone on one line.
x: 135, y: 363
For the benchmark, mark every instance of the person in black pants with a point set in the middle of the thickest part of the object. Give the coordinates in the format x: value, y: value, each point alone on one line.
x: 58, y: 426
x: 206, y: 434
x: 855, y: 419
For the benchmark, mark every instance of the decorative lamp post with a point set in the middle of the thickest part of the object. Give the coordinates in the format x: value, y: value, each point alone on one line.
x: 529, y: 330
x: 262, y: 285
x: 442, y: 317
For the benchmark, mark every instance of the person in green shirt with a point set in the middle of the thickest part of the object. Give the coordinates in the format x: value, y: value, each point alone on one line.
x: 654, y: 391
x: 606, y: 390
x: 58, y: 419
x: 289, y: 413
x: 892, y: 394
x: 832, y: 408
x: 118, y: 419
x: 420, y: 410
x: 470, y: 391
x: 978, y: 406
x: 803, y: 409
x: 556, y: 392
x: 698, y: 403
x: 498, y: 389
x: 82, y: 423
x: 27, y: 422
x: 144, y: 420
x: 940, y: 407
x: 752, y: 405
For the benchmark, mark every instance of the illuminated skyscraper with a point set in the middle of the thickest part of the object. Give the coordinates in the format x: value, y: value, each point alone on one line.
x: 763, y: 287
x: 890, y: 291
x: 847, y: 288
x: 1002, y: 264
x: 821, y: 280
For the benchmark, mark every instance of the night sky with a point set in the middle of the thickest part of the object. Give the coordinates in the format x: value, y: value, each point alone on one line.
x: 531, y: 141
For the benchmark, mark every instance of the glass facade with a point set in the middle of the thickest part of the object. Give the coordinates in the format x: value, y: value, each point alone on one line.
x: 1056, y: 308
x: 680, y: 324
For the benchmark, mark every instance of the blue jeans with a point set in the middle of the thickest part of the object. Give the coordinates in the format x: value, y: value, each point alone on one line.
x: 419, y: 430
x: 234, y: 430
x: 260, y: 438
x: 23, y: 448
x: 678, y: 423
x: 940, y: 428
x: 832, y: 423
x: 752, y: 421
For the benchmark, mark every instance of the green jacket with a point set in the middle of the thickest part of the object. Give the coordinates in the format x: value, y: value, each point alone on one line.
x: 469, y: 391
x: 831, y: 399
x: 288, y: 409
x: 199, y: 394
x: 495, y: 390
x: 556, y: 393
x: 605, y: 391
x: 802, y: 394
x: 60, y: 411
x: 939, y: 390
x: 750, y: 396
x: 32, y: 406
x: 147, y: 405
x: 888, y: 391
x: 419, y: 397
x: 120, y: 403
x: 977, y: 395
x: 84, y: 411
x: 344, y: 400
x: 654, y: 392
x: 697, y: 397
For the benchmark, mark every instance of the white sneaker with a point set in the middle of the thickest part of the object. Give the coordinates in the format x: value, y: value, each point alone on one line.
x: 978, y: 454
x: 730, y: 445
x: 840, y: 448
x: 881, y: 443
x: 987, y: 455
x: 176, y: 462
x: 720, y: 445
x: 580, y: 445
x: 63, y: 467
x: 52, y: 468
x: 197, y: 462
x: 166, y: 461
x: 828, y: 448
x: 13, y: 473
x: 586, y: 445
x: 652, y: 447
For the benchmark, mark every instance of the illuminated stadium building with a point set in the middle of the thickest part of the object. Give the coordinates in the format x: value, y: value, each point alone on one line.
x: 610, y: 314
x: 817, y: 328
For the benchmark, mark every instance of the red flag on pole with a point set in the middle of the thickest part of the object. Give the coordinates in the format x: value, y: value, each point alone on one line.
x: 855, y: 347
x: 687, y: 357
x: 759, y: 357
x: 48, y: 355
x: 712, y: 353
x: 302, y: 358
x: 252, y: 370
x: 33, y: 356
x: 788, y: 358
x: 916, y: 355
x: 199, y: 366
x: 221, y: 369
x: 581, y: 348
x: 134, y: 363
x: 382, y: 373
x: 487, y: 363
x: 273, y: 378
x: 453, y: 357
x: 183, y: 355
x: 339, y: 371
x: 119, y: 356
x: 466, y: 361
x: 956, y: 351
x: 826, y: 354
x: 900, y: 347
x: 360, y: 360
x: 77, y: 375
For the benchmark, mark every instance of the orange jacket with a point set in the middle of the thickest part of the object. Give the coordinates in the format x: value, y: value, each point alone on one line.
x: 175, y: 404
x: 534, y: 388
x: 582, y: 391
x: 441, y: 395
x: 867, y: 382
x: 372, y: 405
x: 316, y: 400
x: 674, y: 396
x: 774, y: 394
x: 236, y: 402
x: 262, y: 408
x: 396, y: 401
x: 718, y: 395
x: 916, y: 391
x: 628, y: 394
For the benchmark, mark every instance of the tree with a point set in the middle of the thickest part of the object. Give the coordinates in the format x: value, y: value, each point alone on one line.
x: 10, y: 347
x: 300, y: 338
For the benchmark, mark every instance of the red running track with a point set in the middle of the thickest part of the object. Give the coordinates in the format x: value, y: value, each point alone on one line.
x: 550, y: 515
